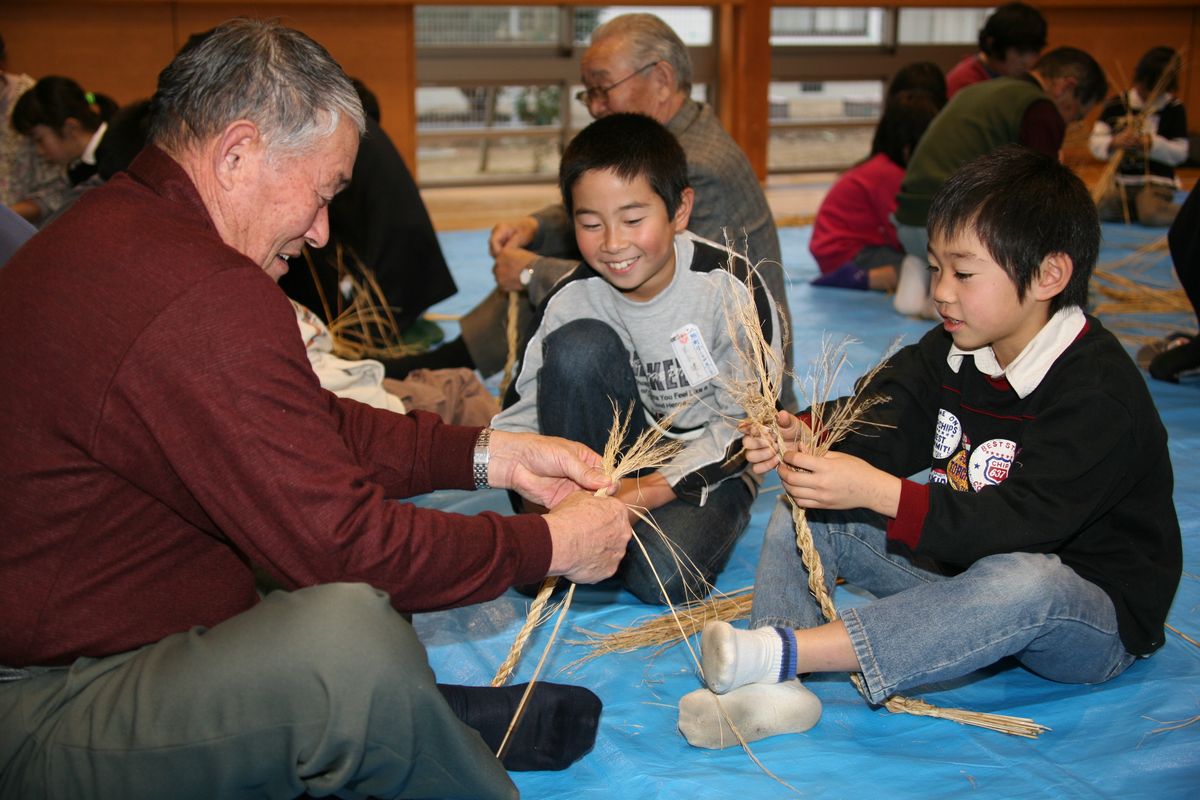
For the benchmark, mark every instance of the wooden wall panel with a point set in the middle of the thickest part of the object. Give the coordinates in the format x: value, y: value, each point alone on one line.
x: 1117, y: 38
x: 114, y: 49
x: 371, y: 42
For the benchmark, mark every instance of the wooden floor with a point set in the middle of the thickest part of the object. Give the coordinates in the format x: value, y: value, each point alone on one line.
x: 794, y: 198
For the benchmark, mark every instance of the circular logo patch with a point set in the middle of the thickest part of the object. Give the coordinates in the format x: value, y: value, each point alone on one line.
x: 947, y: 435
x: 991, y: 462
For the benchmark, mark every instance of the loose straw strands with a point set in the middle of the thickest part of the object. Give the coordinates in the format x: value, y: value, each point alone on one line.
x: 666, y: 630
x: 367, y: 327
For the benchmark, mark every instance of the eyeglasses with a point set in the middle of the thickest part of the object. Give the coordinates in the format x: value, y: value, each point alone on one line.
x: 591, y: 94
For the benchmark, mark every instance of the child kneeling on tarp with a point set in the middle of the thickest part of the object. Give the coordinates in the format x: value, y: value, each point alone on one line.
x: 644, y: 322
x: 1047, y: 530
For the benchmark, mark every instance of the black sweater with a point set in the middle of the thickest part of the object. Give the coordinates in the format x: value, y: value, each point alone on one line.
x: 1078, y: 468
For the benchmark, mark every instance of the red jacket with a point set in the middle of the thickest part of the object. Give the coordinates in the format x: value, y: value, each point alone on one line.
x: 856, y: 213
x: 163, y: 431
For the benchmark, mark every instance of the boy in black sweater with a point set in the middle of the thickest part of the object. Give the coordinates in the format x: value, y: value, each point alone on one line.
x: 1047, y: 530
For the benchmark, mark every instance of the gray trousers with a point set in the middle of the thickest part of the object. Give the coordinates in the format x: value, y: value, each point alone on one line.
x: 325, y: 691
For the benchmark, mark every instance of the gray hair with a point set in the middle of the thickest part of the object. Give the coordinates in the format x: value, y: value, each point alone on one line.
x: 649, y: 39
x: 257, y: 70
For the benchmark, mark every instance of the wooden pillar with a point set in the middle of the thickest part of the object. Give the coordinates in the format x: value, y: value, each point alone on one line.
x: 744, y: 76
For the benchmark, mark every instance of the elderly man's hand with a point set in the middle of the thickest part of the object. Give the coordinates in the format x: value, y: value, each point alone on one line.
x: 543, y: 469
x: 510, y: 263
x: 589, y: 537
x: 517, y: 233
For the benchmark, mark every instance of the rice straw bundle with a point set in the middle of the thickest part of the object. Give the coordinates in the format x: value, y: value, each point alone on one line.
x: 367, y: 327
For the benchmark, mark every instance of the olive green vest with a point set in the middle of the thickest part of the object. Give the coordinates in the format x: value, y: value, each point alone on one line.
x: 979, y: 119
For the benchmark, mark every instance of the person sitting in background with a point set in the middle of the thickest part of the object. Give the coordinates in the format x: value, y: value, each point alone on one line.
x: 1009, y: 43
x: 853, y: 238
x: 919, y: 76
x: 643, y: 324
x: 65, y: 123
x: 32, y: 187
x: 1149, y: 126
x: 1032, y: 111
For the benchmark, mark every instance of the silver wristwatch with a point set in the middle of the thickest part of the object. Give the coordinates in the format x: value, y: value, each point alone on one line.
x: 526, y: 276
x: 479, y: 459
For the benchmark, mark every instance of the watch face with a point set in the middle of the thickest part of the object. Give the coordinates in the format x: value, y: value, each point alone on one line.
x: 526, y: 276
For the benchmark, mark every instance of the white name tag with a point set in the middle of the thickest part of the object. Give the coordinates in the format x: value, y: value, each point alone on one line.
x: 692, y: 354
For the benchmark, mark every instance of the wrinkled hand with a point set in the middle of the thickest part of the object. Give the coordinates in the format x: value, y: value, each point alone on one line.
x: 510, y: 262
x: 760, y: 445
x: 517, y: 233
x: 838, y: 481
x: 543, y: 469
x: 589, y: 536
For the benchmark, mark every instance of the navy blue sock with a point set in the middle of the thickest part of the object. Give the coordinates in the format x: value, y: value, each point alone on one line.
x: 787, y: 666
x: 847, y: 276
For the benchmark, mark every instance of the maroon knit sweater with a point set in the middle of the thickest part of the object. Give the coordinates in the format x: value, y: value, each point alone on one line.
x: 161, y: 431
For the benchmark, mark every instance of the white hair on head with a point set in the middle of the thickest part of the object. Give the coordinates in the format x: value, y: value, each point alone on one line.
x: 649, y: 39
x: 276, y: 77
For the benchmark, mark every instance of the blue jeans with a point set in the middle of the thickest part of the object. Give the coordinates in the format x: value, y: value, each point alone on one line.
x: 585, y: 368
x: 928, y: 625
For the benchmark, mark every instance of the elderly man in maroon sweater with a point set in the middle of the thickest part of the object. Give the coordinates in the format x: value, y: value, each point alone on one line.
x: 163, y: 434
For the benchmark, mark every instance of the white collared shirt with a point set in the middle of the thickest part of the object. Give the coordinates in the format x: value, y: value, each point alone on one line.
x: 1034, y: 361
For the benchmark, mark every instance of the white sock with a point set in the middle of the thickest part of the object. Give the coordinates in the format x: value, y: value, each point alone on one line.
x: 912, y: 287
x: 758, y: 710
x: 731, y: 657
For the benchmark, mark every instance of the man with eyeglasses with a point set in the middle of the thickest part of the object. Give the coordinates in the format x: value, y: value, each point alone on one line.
x: 635, y: 63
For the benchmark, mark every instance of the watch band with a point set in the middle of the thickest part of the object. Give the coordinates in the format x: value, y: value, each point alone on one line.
x: 479, y: 460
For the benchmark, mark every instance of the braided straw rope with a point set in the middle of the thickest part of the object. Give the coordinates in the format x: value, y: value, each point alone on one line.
x: 513, y: 333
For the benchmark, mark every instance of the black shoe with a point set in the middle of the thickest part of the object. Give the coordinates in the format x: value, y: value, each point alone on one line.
x: 1173, y: 362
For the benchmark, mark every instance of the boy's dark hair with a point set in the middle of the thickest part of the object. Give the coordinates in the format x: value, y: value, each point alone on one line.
x: 1023, y: 206
x: 1090, y: 83
x: 1014, y: 25
x: 55, y: 99
x: 919, y: 76
x: 1152, y: 65
x: 632, y: 146
x: 904, y: 121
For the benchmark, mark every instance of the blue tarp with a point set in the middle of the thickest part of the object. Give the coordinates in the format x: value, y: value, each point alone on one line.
x: 1112, y: 740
